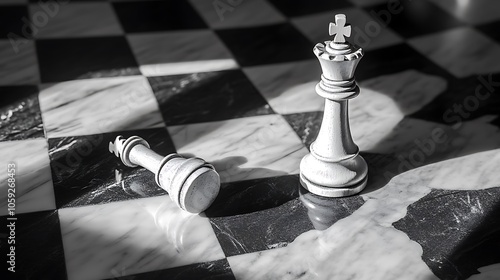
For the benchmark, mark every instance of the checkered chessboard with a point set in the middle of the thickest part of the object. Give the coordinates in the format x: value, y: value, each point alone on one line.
x: 229, y: 81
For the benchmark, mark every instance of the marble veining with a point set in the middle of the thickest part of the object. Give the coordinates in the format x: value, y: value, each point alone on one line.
x: 306, y: 125
x: 261, y: 230
x: 174, y: 53
x: 460, y: 234
x: 453, y: 51
x: 365, y: 245
x: 133, y: 237
x: 241, y: 149
x: 20, y: 116
x: 79, y: 20
x: 34, y: 190
x: 86, y: 107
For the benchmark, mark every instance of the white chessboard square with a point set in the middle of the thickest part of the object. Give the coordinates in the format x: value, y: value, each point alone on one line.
x: 182, y: 52
x: 462, y: 51
x: 18, y: 62
x: 33, y: 180
x: 365, y: 31
x: 221, y: 14
x: 124, y: 238
x: 73, y: 20
x: 94, y: 106
x: 289, y: 87
x: 243, y: 149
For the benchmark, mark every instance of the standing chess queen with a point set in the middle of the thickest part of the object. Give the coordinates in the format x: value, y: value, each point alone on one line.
x: 334, y: 167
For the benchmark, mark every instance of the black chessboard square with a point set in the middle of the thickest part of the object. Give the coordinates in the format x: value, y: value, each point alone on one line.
x: 39, y: 252
x: 20, y: 113
x: 84, y: 172
x: 70, y: 59
x: 455, y: 246
x: 144, y: 16
x: 306, y: 125
x: 267, y: 44
x: 262, y: 230
x: 14, y: 22
x: 254, y: 215
x: 412, y: 18
x: 394, y: 59
x: 491, y: 29
x: 208, y: 96
x: 299, y: 7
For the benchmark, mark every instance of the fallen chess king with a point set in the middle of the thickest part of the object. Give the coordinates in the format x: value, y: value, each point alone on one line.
x: 192, y: 184
x: 333, y: 168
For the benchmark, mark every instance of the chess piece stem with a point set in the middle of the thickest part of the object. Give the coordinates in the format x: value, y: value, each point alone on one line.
x: 192, y: 183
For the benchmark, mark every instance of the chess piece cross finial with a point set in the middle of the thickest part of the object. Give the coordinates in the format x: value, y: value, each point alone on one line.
x: 340, y: 29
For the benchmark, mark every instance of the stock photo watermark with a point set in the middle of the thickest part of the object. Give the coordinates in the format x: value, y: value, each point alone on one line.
x: 11, y: 219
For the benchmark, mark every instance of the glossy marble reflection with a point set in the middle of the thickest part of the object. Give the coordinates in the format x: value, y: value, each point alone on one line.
x: 142, y: 235
x: 85, y: 173
x: 20, y: 116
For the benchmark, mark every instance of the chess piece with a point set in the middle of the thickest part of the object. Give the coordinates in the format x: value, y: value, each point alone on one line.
x: 334, y: 167
x: 191, y: 183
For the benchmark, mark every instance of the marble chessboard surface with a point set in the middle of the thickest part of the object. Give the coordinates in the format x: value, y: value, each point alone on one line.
x: 236, y: 88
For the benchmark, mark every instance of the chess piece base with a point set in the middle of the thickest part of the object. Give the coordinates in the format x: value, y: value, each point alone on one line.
x: 333, y: 179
